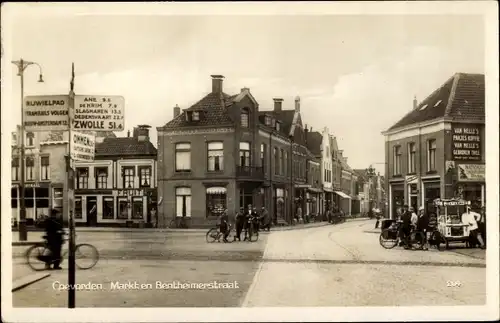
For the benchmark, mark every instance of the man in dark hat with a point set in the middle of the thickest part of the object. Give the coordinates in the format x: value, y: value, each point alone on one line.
x: 406, y: 226
x: 54, y: 232
x: 240, y: 222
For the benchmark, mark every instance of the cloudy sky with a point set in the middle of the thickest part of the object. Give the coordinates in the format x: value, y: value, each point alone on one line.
x: 355, y: 74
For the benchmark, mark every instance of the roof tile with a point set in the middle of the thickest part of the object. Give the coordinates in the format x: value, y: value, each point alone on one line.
x: 124, y: 146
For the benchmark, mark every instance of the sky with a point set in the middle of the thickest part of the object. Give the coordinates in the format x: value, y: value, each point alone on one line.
x: 355, y: 74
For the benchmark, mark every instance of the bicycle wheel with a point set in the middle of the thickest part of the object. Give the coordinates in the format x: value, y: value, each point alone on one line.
x: 388, y: 238
x: 212, y: 235
x: 418, y: 239
x: 172, y: 224
x: 37, y: 256
x: 86, y: 256
x: 253, y: 235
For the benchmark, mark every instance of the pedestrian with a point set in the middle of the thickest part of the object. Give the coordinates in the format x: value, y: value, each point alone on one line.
x: 54, y: 233
x: 329, y: 215
x: 266, y: 219
x: 423, y: 226
x: 299, y: 213
x: 482, y: 224
x: 224, y: 225
x: 406, y: 227
x: 469, y: 218
x: 240, y: 223
x: 256, y: 219
x: 377, y: 216
x: 248, y: 220
x: 154, y: 219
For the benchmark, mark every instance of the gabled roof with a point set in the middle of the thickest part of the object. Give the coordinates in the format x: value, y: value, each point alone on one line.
x: 124, y: 146
x: 461, y: 98
x: 213, y: 107
x: 284, y: 116
x: 314, y: 141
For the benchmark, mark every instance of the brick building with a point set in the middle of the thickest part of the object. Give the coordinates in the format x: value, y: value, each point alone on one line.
x: 437, y: 150
x: 223, y: 152
x: 118, y: 188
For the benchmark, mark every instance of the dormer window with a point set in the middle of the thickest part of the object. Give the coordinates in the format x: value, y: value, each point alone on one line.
x: 244, y: 118
x: 192, y: 116
x: 196, y: 116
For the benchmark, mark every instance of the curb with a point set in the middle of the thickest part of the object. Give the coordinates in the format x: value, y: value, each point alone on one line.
x: 28, y: 280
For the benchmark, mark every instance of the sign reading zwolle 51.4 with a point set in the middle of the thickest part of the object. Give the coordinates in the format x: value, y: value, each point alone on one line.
x: 98, y: 113
x: 82, y: 146
x: 46, y: 113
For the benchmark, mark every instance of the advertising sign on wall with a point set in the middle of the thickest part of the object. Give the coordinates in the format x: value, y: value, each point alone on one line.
x: 471, y: 172
x: 466, y: 142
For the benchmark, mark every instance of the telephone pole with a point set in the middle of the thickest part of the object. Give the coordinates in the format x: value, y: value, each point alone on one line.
x: 21, y: 66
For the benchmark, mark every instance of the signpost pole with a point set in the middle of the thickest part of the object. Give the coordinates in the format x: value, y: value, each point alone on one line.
x: 70, y: 180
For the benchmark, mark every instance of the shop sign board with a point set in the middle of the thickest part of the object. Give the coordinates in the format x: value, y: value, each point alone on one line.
x: 98, y: 113
x: 471, y: 172
x: 466, y: 142
x: 45, y: 113
x: 82, y: 146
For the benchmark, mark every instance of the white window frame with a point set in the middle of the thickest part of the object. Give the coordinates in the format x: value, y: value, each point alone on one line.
x: 27, y: 143
x: 215, y: 148
x: 42, y: 169
x: 245, y: 112
x: 411, y: 165
x: 183, y: 148
x: 433, y: 149
x: 180, y: 194
x: 396, y: 160
x: 27, y: 172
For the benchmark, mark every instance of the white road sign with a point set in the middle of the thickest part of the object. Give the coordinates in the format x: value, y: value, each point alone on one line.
x: 46, y: 113
x: 98, y: 113
x: 82, y: 146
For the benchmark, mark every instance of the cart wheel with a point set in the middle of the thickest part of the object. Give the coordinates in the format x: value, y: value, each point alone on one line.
x: 447, y: 245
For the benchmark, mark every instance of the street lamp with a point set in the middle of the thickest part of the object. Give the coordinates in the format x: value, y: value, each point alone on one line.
x: 21, y: 67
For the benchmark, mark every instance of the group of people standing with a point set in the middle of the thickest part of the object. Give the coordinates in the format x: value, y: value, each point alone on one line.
x: 243, y: 219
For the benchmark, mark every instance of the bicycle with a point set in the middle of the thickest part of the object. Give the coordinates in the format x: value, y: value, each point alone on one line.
x: 251, y: 232
x: 40, y: 254
x: 214, y: 234
x: 391, y: 237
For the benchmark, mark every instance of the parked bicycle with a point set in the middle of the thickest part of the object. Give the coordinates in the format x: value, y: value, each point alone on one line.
x: 251, y: 232
x: 391, y: 237
x: 39, y: 255
x: 174, y: 224
x: 214, y: 234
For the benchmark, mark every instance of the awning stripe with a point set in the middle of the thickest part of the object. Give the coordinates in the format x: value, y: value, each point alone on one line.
x: 216, y: 190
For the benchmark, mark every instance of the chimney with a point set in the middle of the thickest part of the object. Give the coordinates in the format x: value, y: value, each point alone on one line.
x: 415, y: 103
x: 306, y: 131
x: 128, y: 133
x: 217, y: 83
x: 141, y: 132
x: 245, y: 89
x: 177, y: 111
x: 297, y: 104
x: 277, y: 104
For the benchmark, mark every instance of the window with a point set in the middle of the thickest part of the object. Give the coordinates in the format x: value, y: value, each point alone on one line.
x: 215, y: 156
x: 128, y: 174
x: 216, y: 201
x: 244, y: 154
x: 397, y: 160
x: 411, y: 157
x: 57, y: 198
x: 183, y: 201
x: 15, y: 168
x: 30, y: 139
x: 42, y: 199
x: 276, y: 161
x: 137, y: 207
x: 278, y: 126
x: 78, y: 207
x: 44, y: 168
x: 196, y: 116
x: 122, y: 208
x: 285, y: 165
x: 282, y: 161
x: 145, y: 176
x: 101, y: 177
x: 30, y: 168
x: 244, y: 118
x: 14, y: 195
x: 183, y: 157
x: 431, y: 155
x: 82, y: 178
x: 263, y: 149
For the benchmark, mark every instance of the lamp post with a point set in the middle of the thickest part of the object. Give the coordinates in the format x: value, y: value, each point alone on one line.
x: 21, y: 67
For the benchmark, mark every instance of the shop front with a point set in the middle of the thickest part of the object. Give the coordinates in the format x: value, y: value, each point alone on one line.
x: 36, y: 201
x: 431, y: 190
x: 471, y: 184
x: 313, y: 203
x: 344, y: 202
x: 396, y: 198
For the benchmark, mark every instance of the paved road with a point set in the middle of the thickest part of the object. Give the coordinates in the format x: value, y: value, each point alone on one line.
x: 337, y: 265
x: 344, y: 266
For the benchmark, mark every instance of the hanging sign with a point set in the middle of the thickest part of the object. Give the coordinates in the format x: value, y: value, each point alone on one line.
x: 98, y: 113
x: 82, y: 146
x: 45, y: 113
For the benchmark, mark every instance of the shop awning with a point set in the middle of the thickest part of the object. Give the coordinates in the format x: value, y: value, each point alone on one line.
x: 342, y: 194
x: 216, y: 190
x: 327, y: 189
x: 302, y: 186
x: 314, y: 190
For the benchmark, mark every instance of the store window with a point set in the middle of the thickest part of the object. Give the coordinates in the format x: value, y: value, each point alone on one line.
x: 78, y: 207
x: 57, y: 198
x: 122, y: 208
x: 215, y: 155
x: 137, y: 207
x: 14, y: 197
x: 216, y: 198
x: 183, y: 201
x: 108, y: 207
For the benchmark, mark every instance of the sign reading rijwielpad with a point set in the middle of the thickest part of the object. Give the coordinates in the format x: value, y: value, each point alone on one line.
x: 46, y: 113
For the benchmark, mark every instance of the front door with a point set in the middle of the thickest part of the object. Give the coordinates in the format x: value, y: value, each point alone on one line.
x: 431, y: 193
x: 91, y: 211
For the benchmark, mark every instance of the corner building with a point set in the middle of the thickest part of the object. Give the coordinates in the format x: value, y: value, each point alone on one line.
x: 437, y: 150
x: 222, y: 152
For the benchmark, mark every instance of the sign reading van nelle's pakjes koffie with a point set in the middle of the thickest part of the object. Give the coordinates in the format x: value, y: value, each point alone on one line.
x: 466, y: 141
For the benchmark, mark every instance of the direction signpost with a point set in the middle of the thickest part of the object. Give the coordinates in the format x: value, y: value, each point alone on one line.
x: 85, y: 114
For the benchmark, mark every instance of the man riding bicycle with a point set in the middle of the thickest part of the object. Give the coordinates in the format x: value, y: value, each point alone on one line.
x: 54, y: 235
x: 224, y: 225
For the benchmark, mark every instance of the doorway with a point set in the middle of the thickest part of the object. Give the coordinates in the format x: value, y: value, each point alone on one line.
x: 91, y: 211
x: 431, y: 193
